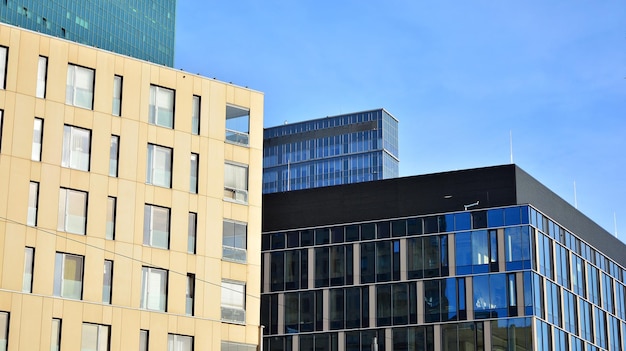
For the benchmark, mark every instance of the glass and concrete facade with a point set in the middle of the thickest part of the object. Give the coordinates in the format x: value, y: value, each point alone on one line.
x: 350, y: 148
x: 482, y: 259
x: 142, y: 28
x: 128, y: 220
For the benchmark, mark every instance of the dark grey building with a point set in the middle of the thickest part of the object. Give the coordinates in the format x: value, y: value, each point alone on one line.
x: 479, y: 259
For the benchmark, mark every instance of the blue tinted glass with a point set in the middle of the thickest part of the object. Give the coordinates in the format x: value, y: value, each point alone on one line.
x: 512, y: 216
x: 495, y: 218
x: 462, y: 221
x: 463, y: 252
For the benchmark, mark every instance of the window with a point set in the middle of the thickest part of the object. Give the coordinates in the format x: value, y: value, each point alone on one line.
x: 107, y: 281
x: 233, y: 301
x: 144, y: 338
x: 191, y: 283
x: 79, y: 90
x: 153, y: 289
x: 1, y: 115
x: 4, y: 55
x: 111, y: 212
x: 117, y: 96
x: 72, y: 211
x: 156, y: 226
x: 29, y: 260
x: 42, y: 72
x: 193, y: 179
x: 191, y: 233
x: 237, y: 125
x: 234, y: 241
x: 161, y: 106
x: 236, y: 182
x: 33, y: 204
x: 37, y: 139
x: 76, y: 148
x: 55, y: 335
x: 114, y: 152
x: 159, y: 167
x: 195, y: 115
x: 95, y: 337
x: 179, y: 342
x: 4, y: 330
x: 68, y: 276
x: 232, y: 346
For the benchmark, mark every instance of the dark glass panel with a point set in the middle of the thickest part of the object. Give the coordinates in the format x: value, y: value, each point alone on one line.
x: 337, y: 265
x: 353, y: 308
x: 479, y: 219
x: 306, y: 237
x: 431, y: 225
x: 304, y: 269
x: 383, y: 230
x: 414, y: 226
x: 337, y: 234
x: 398, y: 228
x: 292, y: 320
x: 293, y: 239
x: 383, y: 305
x: 365, y: 312
x: 368, y: 262
x: 336, y: 309
x: 400, y: 304
x: 368, y: 231
x: 415, y: 258
x: 292, y: 270
x: 319, y: 310
x: 278, y: 241
x: 307, y: 311
x: 432, y: 256
x: 352, y: 233
x: 383, y: 261
x: 349, y: 264
x: 449, y: 308
x: 277, y: 278
x: 265, y: 242
x: 322, y: 236
x: 432, y: 301
x: 321, y: 267
x: 463, y: 252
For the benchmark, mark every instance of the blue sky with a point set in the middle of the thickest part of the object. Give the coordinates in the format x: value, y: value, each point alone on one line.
x: 460, y: 76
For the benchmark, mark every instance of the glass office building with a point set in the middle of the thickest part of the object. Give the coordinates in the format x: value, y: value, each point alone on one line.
x: 483, y: 259
x: 142, y: 29
x: 350, y: 148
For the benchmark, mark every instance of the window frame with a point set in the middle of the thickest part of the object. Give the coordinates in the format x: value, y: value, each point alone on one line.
x: 194, y: 169
x: 146, y: 293
x: 42, y: 77
x: 174, y: 344
x: 231, y: 191
x: 100, y: 330
x: 55, y: 338
x: 33, y: 204
x: 109, y: 233
x: 196, y: 101
x: 4, y: 65
x: 192, y: 232
x: 71, y: 89
x: 72, y: 136
x: 118, y: 86
x: 144, y: 339
x: 114, y: 156
x: 37, y: 145
x: 233, y: 308
x: 149, y: 224
x: 152, y: 153
x: 29, y: 268
x: 190, y: 293
x: 64, y: 204
x: 60, y: 272
x: 107, y: 282
x: 5, y: 318
x: 233, y: 135
x: 234, y: 248
x: 155, y: 106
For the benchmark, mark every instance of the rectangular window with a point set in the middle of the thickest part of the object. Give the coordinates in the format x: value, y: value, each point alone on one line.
x: 1, y: 115
x: 236, y: 182
x: 193, y: 178
x: 179, y: 342
x: 234, y: 241
x: 156, y: 226
x: 68, y: 276
x: 29, y: 260
x: 42, y: 72
x: 4, y: 330
x: 76, y: 148
x: 114, y: 152
x: 72, y: 211
x: 111, y: 212
x: 80, y: 83
x: 191, y: 283
x: 107, y: 281
x: 237, y: 125
x: 55, y: 335
x: 233, y: 301
x: 4, y: 55
x: 95, y: 337
x: 191, y: 233
x: 33, y: 203
x: 117, y: 96
x: 232, y: 346
x: 161, y: 106
x: 153, y: 289
x: 195, y: 115
x: 159, y: 166
x: 37, y: 139
x: 144, y: 339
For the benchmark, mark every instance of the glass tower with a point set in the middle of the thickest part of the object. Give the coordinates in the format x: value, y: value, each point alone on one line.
x: 350, y: 148
x: 142, y: 29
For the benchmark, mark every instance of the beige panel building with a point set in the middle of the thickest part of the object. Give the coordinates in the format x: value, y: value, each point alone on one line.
x: 130, y: 203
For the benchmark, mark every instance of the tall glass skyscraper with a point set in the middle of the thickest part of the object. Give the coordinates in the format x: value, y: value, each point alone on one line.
x: 349, y: 148
x: 142, y: 29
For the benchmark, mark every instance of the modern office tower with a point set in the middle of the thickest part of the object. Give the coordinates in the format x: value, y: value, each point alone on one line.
x: 128, y: 219
x: 350, y: 148
x: 479, y: 259
x: 142, y: 28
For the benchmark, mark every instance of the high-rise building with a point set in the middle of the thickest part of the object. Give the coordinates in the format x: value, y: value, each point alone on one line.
x: 480, y: 259
x: 129, y: 220
x: 142, y: 29
x: 350, y: 148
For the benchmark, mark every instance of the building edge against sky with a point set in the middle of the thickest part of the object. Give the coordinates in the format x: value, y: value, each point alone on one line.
x: 485, y: 258
x: 348, y: 148
x: 118, y: 181
x: 143, y: 29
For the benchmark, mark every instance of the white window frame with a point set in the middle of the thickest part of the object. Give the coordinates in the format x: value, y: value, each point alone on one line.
x: 99, y: 341
x: 144, y: 339
x: 70, y: 219
x: 29, y: 264
x: 233, y: 248
x: 42, y: 76
x: 154, y: 289
x: 233, y: 301
x: 107, y: 282
x: 193, y: 173
x: 195, y: 115
x: 110, y: 219
x: 235, y: 346
x: 62, y: 283
x: 33, y: 204
x: 80, y: 86
x: 161, y: 108
x: 4, y: 57
x: 190, y: 294
x: 176, y: 342
x: 4, y: 330
x: 76, y: 148
x: 37, y: 139
x: 192, y: 232
x: 237, y: 125
x: 235, y: 183
x: 155, y: 217
x: 159, y: 166
x: 55, y: 334
x: 116, y: 109
x: 114, y: 153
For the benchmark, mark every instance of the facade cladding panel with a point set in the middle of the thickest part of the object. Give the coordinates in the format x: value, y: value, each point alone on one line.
x: 103, y: 243
x: 142, y: 29
x: 479, y: 259
x: 350, y: 148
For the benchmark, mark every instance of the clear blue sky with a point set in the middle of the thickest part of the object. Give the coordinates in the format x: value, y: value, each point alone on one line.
x: 459, y: 75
